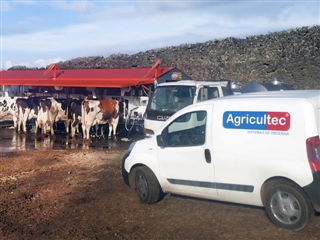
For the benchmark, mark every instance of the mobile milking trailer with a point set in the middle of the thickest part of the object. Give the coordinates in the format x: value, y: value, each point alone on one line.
x: 130, y: 86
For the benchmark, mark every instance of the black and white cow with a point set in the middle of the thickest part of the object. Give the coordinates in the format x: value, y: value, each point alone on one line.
x: 27, y: 110
x: 53, y: 110
x: 70, y: 114
x: 8, y: 107
x: 74, y: 115
x: 63, y: 114
x: 48, y: 112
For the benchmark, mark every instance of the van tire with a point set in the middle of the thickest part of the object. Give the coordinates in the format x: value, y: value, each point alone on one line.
x: 147, y: 185
x: 287, y: 205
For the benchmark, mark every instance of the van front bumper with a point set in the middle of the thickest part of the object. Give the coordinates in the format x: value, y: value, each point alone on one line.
x: 125, y: 174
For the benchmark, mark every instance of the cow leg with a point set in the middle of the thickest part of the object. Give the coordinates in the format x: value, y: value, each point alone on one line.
x: 43, y: 127
x: 31, y: 117
x: 15, y: 121
x: 73, y: 131
x: 52, y: 130
x: 113, y: 127
x: 53, y: 117
x: 36, y: 126
x: 18, y: 124
x: 96, y: 130
x: 43, y: 130
x: 76, y: 129
x: 110, y: 130
x: 48, y: 128
x: 86, y: 131
x: 24, y: 120
x: 102, y: 133
x: 66, y: 125
x: 19, y: 120
x: 24, y: 125
x: 77, y: 120
x: 73, y: 125
x: 39, y: 126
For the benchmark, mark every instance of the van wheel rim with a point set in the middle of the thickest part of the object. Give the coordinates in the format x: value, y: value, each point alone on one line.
x: 285, y: 207
x: 142, y: 186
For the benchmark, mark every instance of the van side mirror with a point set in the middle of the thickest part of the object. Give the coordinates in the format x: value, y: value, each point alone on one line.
x: 160, y: 141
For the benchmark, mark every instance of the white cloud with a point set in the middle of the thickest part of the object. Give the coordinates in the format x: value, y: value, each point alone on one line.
x: 78, y: 6
x: 5, y: 6
x: 50, y: 40
x: 8, y: 64
x: 38, y: 63
x: 27, y: 2
x: 46, y: 62
x: 30, y: 20
x: 108, y: 27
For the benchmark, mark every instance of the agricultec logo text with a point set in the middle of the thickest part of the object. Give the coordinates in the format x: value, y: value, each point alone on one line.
x: 276, y: 121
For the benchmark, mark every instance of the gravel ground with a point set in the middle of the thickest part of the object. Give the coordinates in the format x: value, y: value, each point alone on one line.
x: 79, y: 194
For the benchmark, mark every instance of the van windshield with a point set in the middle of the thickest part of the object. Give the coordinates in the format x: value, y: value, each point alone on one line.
x: 171, y: 98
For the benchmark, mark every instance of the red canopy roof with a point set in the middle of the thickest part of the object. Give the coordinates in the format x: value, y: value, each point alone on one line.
x: 111, y: 78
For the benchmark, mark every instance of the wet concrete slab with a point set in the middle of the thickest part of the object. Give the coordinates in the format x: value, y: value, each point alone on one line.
x: 10, y: 141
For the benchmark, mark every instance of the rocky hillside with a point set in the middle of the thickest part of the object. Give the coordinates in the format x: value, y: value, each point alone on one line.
x: 292, y: 55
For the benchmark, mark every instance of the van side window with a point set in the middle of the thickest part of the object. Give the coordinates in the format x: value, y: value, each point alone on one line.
x: 187, y: 130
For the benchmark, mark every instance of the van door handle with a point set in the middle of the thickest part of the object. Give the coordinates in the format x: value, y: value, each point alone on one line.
x: 207, y: 155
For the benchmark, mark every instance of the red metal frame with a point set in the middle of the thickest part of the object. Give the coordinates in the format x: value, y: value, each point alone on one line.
x: 52, y: 66
x: 157, y: 69
x: 57, y: 79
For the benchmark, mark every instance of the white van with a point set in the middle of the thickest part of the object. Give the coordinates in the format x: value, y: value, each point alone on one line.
x: 260, y: 149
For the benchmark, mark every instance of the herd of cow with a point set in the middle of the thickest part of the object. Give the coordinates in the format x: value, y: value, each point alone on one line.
x: 75, y: 113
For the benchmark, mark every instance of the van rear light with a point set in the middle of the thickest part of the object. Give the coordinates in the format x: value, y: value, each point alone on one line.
x: 313, y: 151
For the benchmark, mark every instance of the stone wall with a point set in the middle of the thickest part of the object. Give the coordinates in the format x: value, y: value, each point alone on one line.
x: 292, y: 55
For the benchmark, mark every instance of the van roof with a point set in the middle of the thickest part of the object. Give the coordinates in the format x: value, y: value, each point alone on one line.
x: 313, y: 96
x: 223, y: 83
x: 289, y: 94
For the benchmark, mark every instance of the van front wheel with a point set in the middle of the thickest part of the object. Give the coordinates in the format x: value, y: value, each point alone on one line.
x: 288, y: 206
x: 147, y: 185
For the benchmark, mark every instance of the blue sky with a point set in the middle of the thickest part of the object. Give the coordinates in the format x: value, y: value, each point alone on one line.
x: 38, y: 33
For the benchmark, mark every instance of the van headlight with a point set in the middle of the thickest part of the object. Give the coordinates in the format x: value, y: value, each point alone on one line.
x: 148, y: 133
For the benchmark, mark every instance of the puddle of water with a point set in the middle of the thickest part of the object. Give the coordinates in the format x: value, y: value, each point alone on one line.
x: 12, y: 141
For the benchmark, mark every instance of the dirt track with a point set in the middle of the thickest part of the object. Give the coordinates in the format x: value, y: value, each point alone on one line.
x: 79, y: 194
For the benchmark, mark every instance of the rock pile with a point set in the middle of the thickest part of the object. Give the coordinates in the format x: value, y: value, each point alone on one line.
x: 292, y: 56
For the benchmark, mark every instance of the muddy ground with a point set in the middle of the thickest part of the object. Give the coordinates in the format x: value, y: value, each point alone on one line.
x: 78, y: 193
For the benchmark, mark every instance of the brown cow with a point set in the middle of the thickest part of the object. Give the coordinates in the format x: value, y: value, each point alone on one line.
x: 99, y: 112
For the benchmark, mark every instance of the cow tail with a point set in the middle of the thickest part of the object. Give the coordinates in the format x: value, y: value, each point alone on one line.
x: 83, y: 113
x: 117, y: 109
